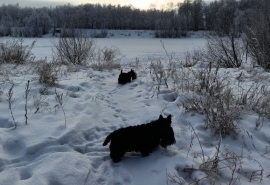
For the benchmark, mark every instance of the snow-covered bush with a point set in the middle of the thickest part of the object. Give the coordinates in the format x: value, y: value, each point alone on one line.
x: 48, y: 73
x: 13, y: 51
x: 77, y: 50
x: 163, y: 69
x: 227, y: 51
x: 257, y: 33
x: 107, y: 58
x: 110, y: 53
x: 192, y: 58
x: 212, y: 93
x: 209, y: 90
x: 213, y: 168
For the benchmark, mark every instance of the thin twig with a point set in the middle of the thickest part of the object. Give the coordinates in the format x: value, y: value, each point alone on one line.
x: 87, y: 176
x: 26, y: 98
x: 197, y: 139
x: 59, y: 100
x: 10, y: 101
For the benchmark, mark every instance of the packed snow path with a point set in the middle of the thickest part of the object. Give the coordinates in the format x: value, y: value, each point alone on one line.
x: 45, y: 152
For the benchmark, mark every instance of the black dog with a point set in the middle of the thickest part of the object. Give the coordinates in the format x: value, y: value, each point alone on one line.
x: 141, y: 138
x: 126, y: 77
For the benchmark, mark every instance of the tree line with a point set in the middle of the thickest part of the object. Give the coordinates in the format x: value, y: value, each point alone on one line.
x: 172, y: 20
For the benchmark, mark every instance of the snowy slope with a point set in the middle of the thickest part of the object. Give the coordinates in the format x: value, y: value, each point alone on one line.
x: 46, y: 152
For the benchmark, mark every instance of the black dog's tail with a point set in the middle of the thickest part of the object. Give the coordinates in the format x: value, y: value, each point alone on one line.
x: 108, y: 139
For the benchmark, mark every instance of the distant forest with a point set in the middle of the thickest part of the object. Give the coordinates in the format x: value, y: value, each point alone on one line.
x: 173, y: 20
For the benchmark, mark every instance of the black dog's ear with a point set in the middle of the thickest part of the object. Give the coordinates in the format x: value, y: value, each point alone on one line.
x: 121, y: 71
x: 169, y: 118
x: 160, y: 117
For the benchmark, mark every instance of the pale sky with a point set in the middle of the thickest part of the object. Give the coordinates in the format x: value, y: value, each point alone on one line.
x: 143, y: 4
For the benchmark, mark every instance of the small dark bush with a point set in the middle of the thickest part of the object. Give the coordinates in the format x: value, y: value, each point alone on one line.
x: 48, y: 74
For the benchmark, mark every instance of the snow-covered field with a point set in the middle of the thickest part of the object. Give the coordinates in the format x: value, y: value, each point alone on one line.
x: 131, y: 43
x: 46, y: 152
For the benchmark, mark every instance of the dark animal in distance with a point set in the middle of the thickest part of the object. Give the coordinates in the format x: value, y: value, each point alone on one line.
x: 126, y: 77
x: 140, y: 138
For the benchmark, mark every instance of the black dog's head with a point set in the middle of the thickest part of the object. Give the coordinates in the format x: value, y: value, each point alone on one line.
x: 132, y: 74
x: 166, y: 131
x: 126, y: 77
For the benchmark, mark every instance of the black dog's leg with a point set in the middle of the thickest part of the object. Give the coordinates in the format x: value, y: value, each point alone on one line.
x: 145, y: 152
x: 116, y: 155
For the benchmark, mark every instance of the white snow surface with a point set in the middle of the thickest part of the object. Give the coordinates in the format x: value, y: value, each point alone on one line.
x: 132, y: 44
x: 46, y: 152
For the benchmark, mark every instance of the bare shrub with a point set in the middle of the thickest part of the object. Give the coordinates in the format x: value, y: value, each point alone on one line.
x: 27, y: 90
x: 223, y: 163
x: 48, y: 73
x: 1, y: 92
x: 75, y: 50
x: 211, y: 93
x: 254, y: 99
x: 163, y: 69
x: 110, y: 54
x: 199, y: 80
x: 181, y: 80
x: 227, y: 162
x: 227, y: 51
x: 192, y: 58
x: 40, y: 103
x: 2, y: 81
x: 13, y: 51
x: 107, y: 58
x: 10, y: 101
x: 218, y: 118
x: 136, y: 64
x: 256, y: 34
x: 158, y: 73
x: 59, y: 100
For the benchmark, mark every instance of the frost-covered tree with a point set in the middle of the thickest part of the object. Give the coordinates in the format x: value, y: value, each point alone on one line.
x: 210, y: 15
x: 185, y: 13
x: 37, y: 24
x: 257, y: 33
x: 169, y: 25
x: 29, y: 21
x: 226, y: 17
x: 197, y: 15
